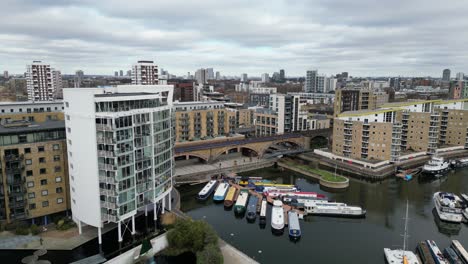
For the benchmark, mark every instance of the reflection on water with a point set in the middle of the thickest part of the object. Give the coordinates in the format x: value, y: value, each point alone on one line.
x: 446, y: 228
x: 339, y: 240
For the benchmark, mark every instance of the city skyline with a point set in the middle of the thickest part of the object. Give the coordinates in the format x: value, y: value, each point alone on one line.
x: 396, y: 38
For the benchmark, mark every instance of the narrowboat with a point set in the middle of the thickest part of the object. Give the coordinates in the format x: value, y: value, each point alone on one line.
x: 231, y: 197
x: 277, y: 217
x: 207, y: 190
x: 220, y: 192
x: 252, y: 208
x: 241, y: 203
x: 263, y: 210
x: 293, y: 224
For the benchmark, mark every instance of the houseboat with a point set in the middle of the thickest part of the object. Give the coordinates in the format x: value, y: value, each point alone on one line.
x: 252, y: 208
x: 241, y: 203
x: 460, y: 250
x: 448, y: 207
x: 424, y: 253
x: 315, y: 207
x: 435, y: 252
x: 231, y: 197
x: 277, y: 217
x: 220, y: 192
x: 451, y: 256
x: 263, y: 210
x: 207, y: 190
x: 293, y: 224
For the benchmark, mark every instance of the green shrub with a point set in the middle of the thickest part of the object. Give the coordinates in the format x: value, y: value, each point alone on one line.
x: 34, y: 229
x: 22, y: 231
x: 65, y: 224
x: 211, y: 254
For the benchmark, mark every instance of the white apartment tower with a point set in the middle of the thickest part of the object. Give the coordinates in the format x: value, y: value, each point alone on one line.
x: 265, y: 78
x: 42, y: 82
x: 120, y: 153
x: 145, y: 73
x: 311, y: 82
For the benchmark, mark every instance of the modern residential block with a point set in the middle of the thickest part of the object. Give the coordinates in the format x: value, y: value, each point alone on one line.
x: 144, y: 73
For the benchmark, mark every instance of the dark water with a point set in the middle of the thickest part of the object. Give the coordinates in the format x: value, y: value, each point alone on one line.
x: 339, y: 240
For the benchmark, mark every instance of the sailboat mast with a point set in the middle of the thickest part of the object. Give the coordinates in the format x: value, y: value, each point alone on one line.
x: 406, y: 227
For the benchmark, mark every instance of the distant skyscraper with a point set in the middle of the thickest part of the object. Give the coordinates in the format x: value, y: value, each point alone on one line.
x: 200, y: 76
x: 282, y: 75
x: 218, y: 75
x: 79, y: 74
x: 57, y: 83
x: 330, y: 84
x: 116, y: 74
x: 42, y: 82
x: 188, y: 76
x: 265, y: 78
x: 446, y: 75
x: 344, y: 75
x: 311, y: 82
x: 5, y: 74
x: 145, y: 73
x: 210, y: 74
x: 121, y: 73
x: 460, y: 76
x: 129, y: 73
x: 244, y: 77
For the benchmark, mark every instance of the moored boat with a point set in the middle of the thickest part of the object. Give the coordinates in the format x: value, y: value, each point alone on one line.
x: 311, y: 195
x: 459, y: 250
x: 464, y: 197
x: 424, y: 253
x: 263, y: 210
x: 239, y: 207
x: 460, y: 163
x: 220, y: 192
x: 277, y: 217
x: 207, y: 190
x: 230, y: 197
x: 317, y: 207
x: 435, y: 166
x: 252, y: 208
x: 451, y: 256
x: 435, y: 252
x: 448, y: 207
x: 293, y: 224
x: 278, y: 190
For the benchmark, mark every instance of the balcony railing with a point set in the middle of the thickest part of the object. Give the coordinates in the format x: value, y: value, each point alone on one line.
x: 108, y: 218
x: 109, y: 205
x: 104, y: 127
x: 107, y: 167
x: 107, y: 192
x: 106, y: 154
x: 105, y: 179
x: 105, y: 140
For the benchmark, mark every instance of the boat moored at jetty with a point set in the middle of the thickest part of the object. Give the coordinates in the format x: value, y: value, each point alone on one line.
x: 435, y: 166
x: 207, y: 190
x: 435, y: 252
x: 424, y: 253
x: 279, y: 189
x: 310, y: 195
x: 241, y: 203
x: 277, y: 217
x: 231, y: 197
x: 263, y: 210
x: 460, y: 163
x: 459, y: 250
x: 451, y: 256
x: 448, y: 207
x: 220, y: 192
x: 293, y: 224
x: 464, y: 196
x: 316, y: 207
x: 252, y: 208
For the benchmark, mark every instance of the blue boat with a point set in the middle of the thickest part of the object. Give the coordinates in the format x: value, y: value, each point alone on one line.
x: 221, y: 192
x: 294, y: 227
x: 252, y: 209
x: 207, y: 190
x: 451, y: 256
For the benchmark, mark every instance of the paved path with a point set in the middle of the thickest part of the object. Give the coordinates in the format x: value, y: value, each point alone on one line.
x: 220, y: 165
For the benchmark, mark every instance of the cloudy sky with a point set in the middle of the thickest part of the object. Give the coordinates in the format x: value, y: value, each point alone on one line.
x: 363, y: 37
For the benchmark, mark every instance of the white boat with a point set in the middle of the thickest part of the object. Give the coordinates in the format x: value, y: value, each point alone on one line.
x: 460, y: 250
x: 241, y: 203
x: 318, y: 207
x: 436, y: 166
x: 448, y: 207
x: 465, y: 213
x: 436, y: 253
x: 278, y: 190
x: 277, y: 216
x: 464, y: 197
x: 401, y: 256
x: 460, y: 163
x: 207, y: 190
x: 221, y: 191
x: 263, y: 210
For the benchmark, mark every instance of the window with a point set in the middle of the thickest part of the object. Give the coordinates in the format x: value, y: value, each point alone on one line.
x: 68, y: 130
x: 28, y: 162
x: 30, y: 184
x: 44, y: 182
x: 68, y: 117
x: 40, y: 149
x: 57, y: 158
x: 31, y: 195
x: 59, y: 200
x: 44, y: 192
x: 32, y: 206
x: 58, y: 190
x: 41, y: 160
x: 57, y: 169
x: 45, y: 203
x: 43, y: 171
x: 29, y: 173
x: 58, y: 179
x: 67, y: 104
x: 27, y: 150
x: 56, y: 147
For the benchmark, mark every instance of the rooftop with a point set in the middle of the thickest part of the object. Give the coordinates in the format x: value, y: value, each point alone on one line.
x: 123, y: 94
x: 366, y: 112
x: 22, y: 126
